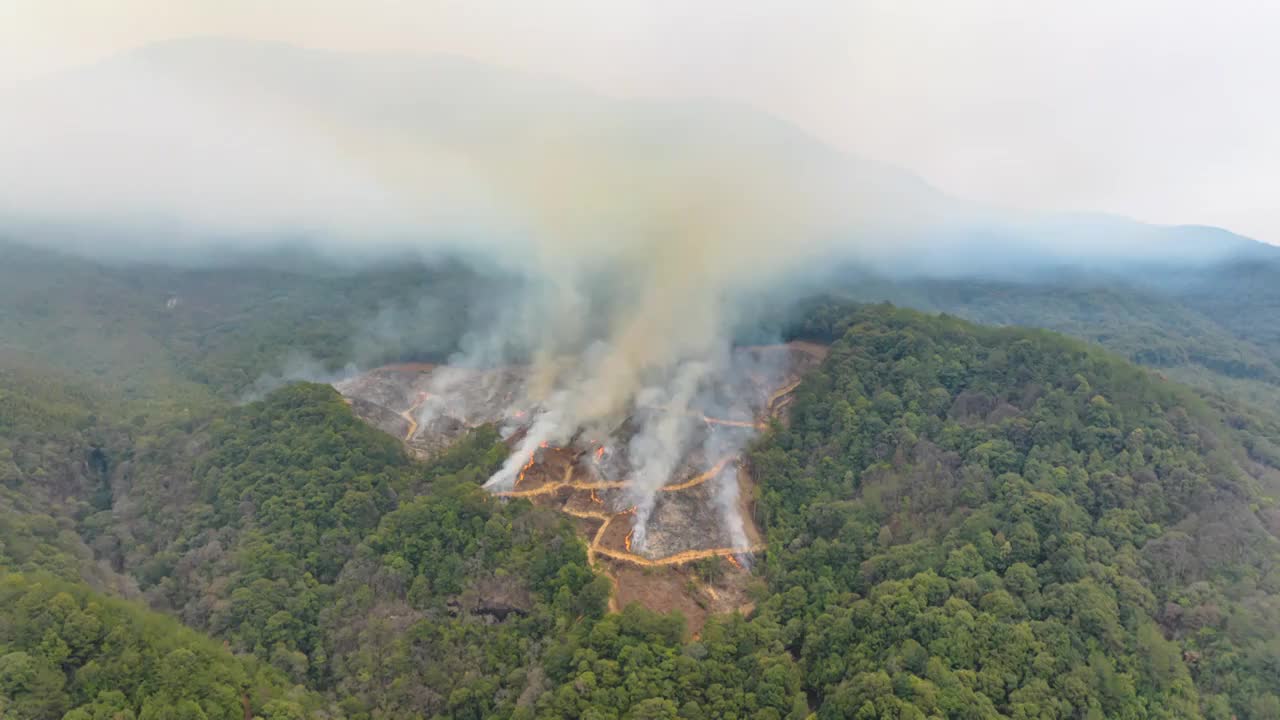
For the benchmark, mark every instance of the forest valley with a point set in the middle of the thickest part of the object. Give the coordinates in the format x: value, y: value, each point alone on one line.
x: 942, y: 520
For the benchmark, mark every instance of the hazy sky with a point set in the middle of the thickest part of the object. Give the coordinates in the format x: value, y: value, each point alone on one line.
x: 1164, y: 110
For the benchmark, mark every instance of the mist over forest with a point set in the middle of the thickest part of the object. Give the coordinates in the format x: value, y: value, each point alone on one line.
x: 378, y: 385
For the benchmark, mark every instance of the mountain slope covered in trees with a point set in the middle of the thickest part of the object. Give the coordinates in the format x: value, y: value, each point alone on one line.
x: 1215, y: 327
x: 175, y: 339
x: 971, y: 522
x: 68, y: 652
x: 962, y: 522
x: 179, y: 338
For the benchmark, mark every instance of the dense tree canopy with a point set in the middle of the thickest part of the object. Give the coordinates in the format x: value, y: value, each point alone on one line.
x: 967, y: 522
x: 961, y: 522
x: 66, y: 652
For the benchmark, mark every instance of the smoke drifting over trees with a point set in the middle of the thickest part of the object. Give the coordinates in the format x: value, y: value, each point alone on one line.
x: 631, y: 227
x: 630, y: 232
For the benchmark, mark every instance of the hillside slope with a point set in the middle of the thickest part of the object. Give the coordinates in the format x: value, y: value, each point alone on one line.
x: 67, y: 652
x: 961, y: 522
x: 182, y: 337
x: 1215, y: 327
x: 1003, y: 523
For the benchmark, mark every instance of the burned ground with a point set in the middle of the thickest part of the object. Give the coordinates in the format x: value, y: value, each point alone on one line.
x: 430, y: 407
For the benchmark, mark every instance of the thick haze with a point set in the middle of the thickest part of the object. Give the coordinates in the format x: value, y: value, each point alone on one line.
x: 635, y: 217
x: 1160, y: 110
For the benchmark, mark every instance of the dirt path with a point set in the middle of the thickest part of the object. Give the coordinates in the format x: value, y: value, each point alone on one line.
x: 599, y: 524
x: 698, y: 480
x: 413, y: 424
x: 678, y: 558
x: 409, y: 413
x: 569, y: 482
x: 592, y: 546
x: 551, y: 488
x: 782, y: 392
x: 596, y: 547
x: 730, y: 423
x: 597, y: 550
x: 593, y: 515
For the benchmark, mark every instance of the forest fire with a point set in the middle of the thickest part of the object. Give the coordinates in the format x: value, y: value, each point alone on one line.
x: 728, y: 423
x: 733, y: 560
x: 676, y: 513
x: 526, y: 467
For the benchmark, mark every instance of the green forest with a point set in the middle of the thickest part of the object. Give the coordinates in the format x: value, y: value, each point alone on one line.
x: 962, y: 521
x: 967, y: 522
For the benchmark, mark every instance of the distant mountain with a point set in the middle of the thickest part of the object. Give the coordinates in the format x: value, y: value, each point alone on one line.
x: 186, y: 142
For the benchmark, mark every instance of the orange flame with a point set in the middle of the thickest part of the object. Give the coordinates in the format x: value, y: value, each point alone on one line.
x: 599, y: 453
x: 734, y: 560
x: 628, y: 540
x: 524, y: 469
x: 595, y: 499
x: 542, y: 444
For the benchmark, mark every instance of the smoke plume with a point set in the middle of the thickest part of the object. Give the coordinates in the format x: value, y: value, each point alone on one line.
x: 631, y: 230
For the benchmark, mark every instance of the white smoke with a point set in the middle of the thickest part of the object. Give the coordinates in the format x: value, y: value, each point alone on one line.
x: 663, y: 440
x: 549, y: 426
x: 631, y: 226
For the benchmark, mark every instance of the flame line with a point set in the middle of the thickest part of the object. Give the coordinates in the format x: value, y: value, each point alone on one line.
x: 525, y: 469
x: 408, y: 415
x: 551, y: 488
x: 781, y: 392
x: 699, y: 479
x: 679, y: 558
x: 731, y: 423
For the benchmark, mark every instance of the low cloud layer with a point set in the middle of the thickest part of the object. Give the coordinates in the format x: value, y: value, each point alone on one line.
x: 1155, y: 109
x: 632, y: 229
x: 631, y: 224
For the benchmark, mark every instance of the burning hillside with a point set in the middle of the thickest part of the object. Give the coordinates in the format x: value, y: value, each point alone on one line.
x: 698, y: 510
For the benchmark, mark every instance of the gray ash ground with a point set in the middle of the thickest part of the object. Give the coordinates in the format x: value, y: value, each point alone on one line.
x: 432, y: 406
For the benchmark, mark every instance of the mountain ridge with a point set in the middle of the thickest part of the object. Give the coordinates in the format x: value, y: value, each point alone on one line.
x: 443, y: 103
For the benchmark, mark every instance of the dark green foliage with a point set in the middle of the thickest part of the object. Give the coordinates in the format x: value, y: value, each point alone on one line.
x: 285, y: 490
x: 179, y: 337
x: 637, y: 665
x: 968, y: 522
x: 1215, y: 327
x: 58, y: 442
x: 453, y: 604
x: 445, y: 606
x: 66, y: 652
x: 962, y: 521
x: 302, y: 471
x: 322, y: 549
